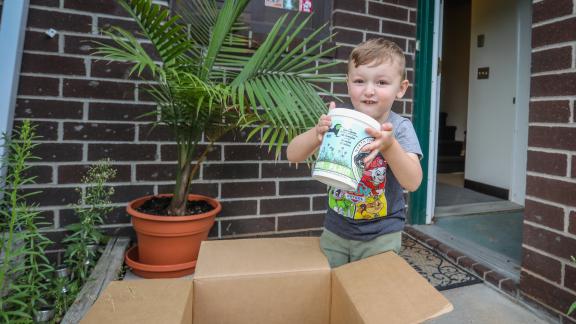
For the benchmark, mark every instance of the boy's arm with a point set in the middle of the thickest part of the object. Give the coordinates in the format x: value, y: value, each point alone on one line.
x: 303, y: 145
x: 406, y: 166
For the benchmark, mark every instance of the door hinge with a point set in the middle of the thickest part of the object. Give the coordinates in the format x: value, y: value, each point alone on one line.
x: 439, y: 66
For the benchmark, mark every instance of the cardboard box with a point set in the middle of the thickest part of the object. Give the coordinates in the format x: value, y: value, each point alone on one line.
x: 143, y: 301
x: 278, y: 280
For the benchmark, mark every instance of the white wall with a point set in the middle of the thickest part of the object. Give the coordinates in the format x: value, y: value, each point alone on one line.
x: 491, y: 113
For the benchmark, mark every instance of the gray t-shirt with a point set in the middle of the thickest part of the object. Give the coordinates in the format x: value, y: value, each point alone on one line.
x: 377, y: 205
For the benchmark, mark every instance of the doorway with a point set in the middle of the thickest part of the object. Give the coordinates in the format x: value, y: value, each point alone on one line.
x: 481, y: 122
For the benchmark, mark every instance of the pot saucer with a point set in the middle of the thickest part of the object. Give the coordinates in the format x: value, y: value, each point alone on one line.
x: 152, y: 271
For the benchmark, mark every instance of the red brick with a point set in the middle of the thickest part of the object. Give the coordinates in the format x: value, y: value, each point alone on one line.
x: 286, y: 223
x: 52, y: 64
x: 59, y: 20
x: 546, y: 293
x: 157, y: 172
x: 386, y: 11
x: 206, y: 189
x: 552, y: 59
x: 343, y: 52
x: 320, y: 203
x: 128, y: 193
x: 285, y: 170
x: 98, y: 131
x: 413, y: 16
x: 554, y: 33
x: 74, y: 173
x: 248, y: 189
x: 46, y: 131
x: 302, y: 187
x: 557, y: 137
x: 355, y: 21
x: 58, y: 152
x: 350, y: 5
x: 41, y: 173
x: 549, y: 9
x: 284, y: 205
x: 495, y: 278
x: 246, y: 226
x: 542, y: 265
x: 122, y: 152
x: 573, y: 171
x: 120, y: 112
x: 38, y: 86
x: 510, y: 287
x: 549, y: 163
x: 52, y: 196
x: 169, y: 152
x: 348, y: 36
x: 230, y: 171
x: 570, y: 275
x: 550, y: 242
x: 572, y: 223
x: 239, y: 208
x: 83, y: 45
x: 38, y: 41
x: 481, y: 270
x: 240, y: 135
x: 52, y: 109
x: 248, y: 152
x: 45, y: 3
x: 555, y: 111
x: 108, y: 7
x: 553, y: 85
x: 128, y: 25
x: 406, y: 3
x: 550, y: 216
x: 552, y: 190
x: 159, y: 133
x: 398, y: 28
x: 98, y: 89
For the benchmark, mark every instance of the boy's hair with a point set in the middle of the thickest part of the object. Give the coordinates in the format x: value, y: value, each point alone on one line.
x: 378, y: 50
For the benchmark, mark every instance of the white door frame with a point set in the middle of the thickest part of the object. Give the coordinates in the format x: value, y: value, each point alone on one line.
x: 434, y: 110
x: 12, y: 30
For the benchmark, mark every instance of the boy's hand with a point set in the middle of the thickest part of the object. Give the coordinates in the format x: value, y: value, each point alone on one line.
x: 324, y: 123
x: 382, y: 140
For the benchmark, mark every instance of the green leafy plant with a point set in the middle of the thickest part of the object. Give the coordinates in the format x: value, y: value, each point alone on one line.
x: 209, y: 81
x: 25, y: 270
x: 85, y: 236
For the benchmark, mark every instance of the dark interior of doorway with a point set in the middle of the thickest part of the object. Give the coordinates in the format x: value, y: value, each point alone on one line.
x: 484, y: 226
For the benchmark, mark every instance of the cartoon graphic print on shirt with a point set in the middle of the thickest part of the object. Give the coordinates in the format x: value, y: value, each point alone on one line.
x: 369, y: 199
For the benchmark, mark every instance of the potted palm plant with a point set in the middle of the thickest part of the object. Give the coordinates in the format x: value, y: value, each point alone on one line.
x: 209, y: 81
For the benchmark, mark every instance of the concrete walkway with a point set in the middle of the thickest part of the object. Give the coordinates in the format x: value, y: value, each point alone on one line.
x: 480, y: 304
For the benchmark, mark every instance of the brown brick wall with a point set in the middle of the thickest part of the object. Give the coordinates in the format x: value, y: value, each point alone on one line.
x: 548, y: 276
x: 86, y: 110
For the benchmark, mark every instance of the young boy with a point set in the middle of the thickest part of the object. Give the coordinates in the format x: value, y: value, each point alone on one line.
x: 370, y: 220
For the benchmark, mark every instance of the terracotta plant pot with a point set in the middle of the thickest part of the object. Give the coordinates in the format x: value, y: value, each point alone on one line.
x: 171, y: 240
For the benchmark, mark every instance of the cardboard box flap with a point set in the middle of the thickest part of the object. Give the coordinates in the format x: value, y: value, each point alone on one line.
x: 259, y: 256
x: 143, y: 301
x: 383, y: 289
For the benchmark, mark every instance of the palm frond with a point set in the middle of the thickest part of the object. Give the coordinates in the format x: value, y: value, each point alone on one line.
x: 221, y: 33
x: 167, y: 34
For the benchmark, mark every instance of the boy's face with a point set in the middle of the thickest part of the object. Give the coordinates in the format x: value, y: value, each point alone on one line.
x: 373, y: 88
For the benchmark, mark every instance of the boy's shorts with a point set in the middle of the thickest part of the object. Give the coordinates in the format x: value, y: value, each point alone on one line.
x: 340, y: 251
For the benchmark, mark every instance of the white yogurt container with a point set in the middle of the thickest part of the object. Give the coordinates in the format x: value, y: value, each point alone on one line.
x: 340, y: 162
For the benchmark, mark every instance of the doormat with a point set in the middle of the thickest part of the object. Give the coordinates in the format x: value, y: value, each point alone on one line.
x: 440, y: 272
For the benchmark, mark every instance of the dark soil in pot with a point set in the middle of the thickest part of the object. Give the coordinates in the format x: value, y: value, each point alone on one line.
x: 159, y: 206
